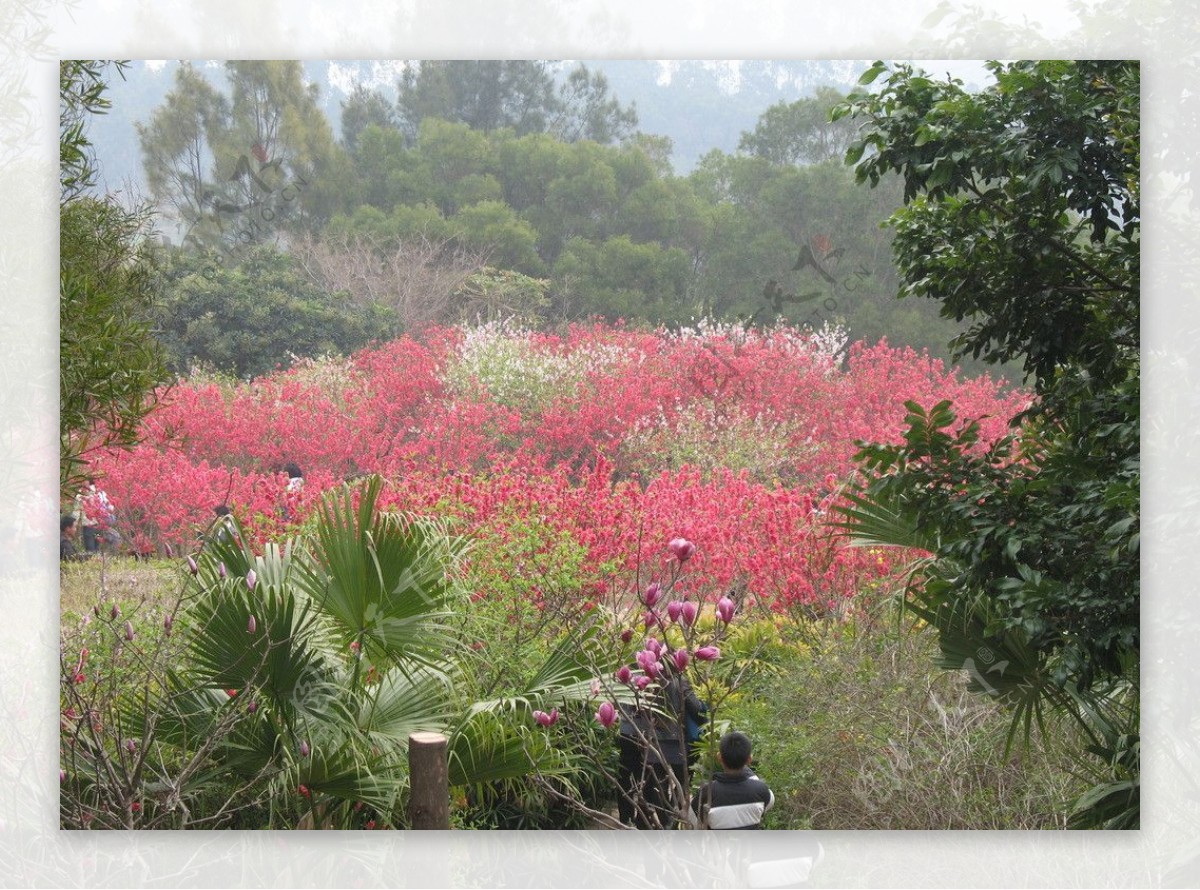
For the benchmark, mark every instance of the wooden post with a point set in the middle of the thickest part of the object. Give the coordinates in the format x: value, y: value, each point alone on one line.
x: 429, y: 781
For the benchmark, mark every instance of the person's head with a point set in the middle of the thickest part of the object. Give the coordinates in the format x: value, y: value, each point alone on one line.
x: 734, y: 750
x: 221, y: 510
x: 66, y: 525
x: 293, y: 471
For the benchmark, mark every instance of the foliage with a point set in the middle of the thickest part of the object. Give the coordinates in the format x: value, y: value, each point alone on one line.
x: 110, y: 364
x: 254, y: 316
x: 306, y: 666
x: 477, y: 421
x: 855, y: 729
x: 234, y: 170
x: 519, y: 95
x: 801, y: 132
x: 1023, y: 216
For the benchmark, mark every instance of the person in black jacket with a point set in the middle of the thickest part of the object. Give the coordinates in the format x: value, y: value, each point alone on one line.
x: 653, y: 749
x: 736, y: 797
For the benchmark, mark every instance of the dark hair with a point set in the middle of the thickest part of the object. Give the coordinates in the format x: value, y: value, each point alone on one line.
x: 735, y: 750
x: 65, y: 522
x: 221, y: 510
x: 293, y: 471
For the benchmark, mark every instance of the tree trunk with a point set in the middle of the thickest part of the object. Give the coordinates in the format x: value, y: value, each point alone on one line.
x: 429, y: 777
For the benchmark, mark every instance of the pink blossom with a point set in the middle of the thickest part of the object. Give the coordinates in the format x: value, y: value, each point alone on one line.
x: 725, y: 608
x: 251, y: 625
x: 623, y: 674
x: 680, y: 657
x: 652, y: 594
x: 681, y: 548
x: 221, y: 572
x: 545, y: 719
x: 595, y: 687
x: 708, y: 653
x: 304, y: 749
x: 606, y: 714
x: 192, y: 567
x: 641, y: 682
x: 627, y: 635
x: 688, y: 613
x: 251, y: 579
x: 129, y: 631
x: 674, y: 608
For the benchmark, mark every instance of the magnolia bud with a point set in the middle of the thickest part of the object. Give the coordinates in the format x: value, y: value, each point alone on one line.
x: 652, y: 594
x: 251, y: 579
x: 673, y: 609
x: 688, y: 613
x: 251, y: 625
x: 128, y: 632
x: 606, y: 714
x: 681, y: 548
x: 304, y: 749
x: 725, y: 609
x: 708, y: 653
x: 192, y: 567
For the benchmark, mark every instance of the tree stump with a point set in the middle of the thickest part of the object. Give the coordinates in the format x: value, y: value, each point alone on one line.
x: 429, y: 780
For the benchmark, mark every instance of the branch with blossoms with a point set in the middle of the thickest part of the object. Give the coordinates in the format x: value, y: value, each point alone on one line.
x: 648, y: 694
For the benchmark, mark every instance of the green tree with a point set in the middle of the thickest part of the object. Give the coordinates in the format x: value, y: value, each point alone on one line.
x: 361, y: 109
x: 801, y: 132
x: 110, y: 366
x: 236, y: 170
x: 519, y: 95
x: 248, y: 318
x: 1022, y: 217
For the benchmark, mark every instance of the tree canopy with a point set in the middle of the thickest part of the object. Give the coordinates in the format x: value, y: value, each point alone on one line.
x: 110, y: 364
x: 1022, y: 218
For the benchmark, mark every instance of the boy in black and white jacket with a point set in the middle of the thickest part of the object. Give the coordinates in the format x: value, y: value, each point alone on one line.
x: 736, y: 797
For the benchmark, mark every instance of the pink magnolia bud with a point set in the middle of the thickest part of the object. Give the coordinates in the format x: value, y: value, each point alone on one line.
x: 62, y: 775
x: 304, y: 749
x: 221, y: 573
x: 654, y: 670
x: 96, y: 610
x: 674, y: 608
x: 624, y: 674
x: 627, y: 635
x: 595, y: 688
x: 251, y: 625
x: 708, y: 653
x: 168, y: 620
x: 725, y: 609
x: 641, y: 682
x: 545, y: 719
x: 114, y: 611
x: 654, y: 645
x: 681, y: 548
x: 130, y: 746
x: 645, y: 658
x: 128, y: 632
x: 192, y: 567
x: 688, y: 613
x: 606, y: 714
x: 680, y: 657
x: 251, y: 579
x: 252, y: 707
x: 652, y: 594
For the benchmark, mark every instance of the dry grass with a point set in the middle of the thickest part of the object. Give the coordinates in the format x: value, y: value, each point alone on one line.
x: 107, y: 579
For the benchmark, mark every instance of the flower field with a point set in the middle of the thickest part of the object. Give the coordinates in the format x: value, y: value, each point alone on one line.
x: 611, y: 440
